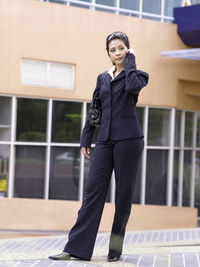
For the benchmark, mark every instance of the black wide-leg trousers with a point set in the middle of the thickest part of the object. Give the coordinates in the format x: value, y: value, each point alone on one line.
x: 123, y: 157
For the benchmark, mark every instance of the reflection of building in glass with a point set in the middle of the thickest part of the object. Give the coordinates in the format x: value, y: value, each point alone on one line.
x: 41, y: 118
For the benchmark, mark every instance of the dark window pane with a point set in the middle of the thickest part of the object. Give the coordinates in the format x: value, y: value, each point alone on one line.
x: 158, y: 127
x: 5, y: 118
x: 66, y: 122
x: 31, y: 120
x: 188, y: 128
x: 175, y: 177
x: 29, y: 172
x: 4, y: 169
x: 64, y: 174
x: 197, y: 182
x: 106, y: 3
x: 169, y: 6
x: 57, y: 1
x: 140, y: 112
x: 156, y: 177
x: 177, y: 128
x: 187, y: 177
x: 198, y: 129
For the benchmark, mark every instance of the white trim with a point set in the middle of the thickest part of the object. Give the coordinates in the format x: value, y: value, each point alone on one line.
x: 181, y: 160
x: 12, y: 148
x: 144, y: 157
x: 117, y: 6
x: 162, y: 11
x: 171, y: 158
x: 82, y: 159
x: 48, y: 149
x: 140, y: 8
x: 192, y: 184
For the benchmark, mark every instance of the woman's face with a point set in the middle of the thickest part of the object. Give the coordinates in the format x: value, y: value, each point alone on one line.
x: 117, y: 51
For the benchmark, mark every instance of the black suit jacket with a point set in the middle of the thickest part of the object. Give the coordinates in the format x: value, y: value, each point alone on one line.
x: 118, y: 100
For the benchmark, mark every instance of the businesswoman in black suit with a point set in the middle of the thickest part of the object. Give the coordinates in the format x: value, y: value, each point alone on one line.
x: 119, y: 146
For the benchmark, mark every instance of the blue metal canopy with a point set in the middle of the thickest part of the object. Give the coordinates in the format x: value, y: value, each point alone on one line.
x: 188, y: 20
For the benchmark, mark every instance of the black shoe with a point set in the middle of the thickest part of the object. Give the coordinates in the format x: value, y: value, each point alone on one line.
x: 64, y: 256
x: 110, y: 258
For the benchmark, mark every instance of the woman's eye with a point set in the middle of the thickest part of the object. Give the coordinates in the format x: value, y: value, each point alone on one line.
x: 112, y: 51
x: 122, y: 48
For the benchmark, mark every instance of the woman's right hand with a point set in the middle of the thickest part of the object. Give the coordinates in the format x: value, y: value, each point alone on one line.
x: 86, y: 152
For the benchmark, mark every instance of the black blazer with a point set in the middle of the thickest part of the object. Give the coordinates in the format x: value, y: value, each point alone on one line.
x: 118, y: 100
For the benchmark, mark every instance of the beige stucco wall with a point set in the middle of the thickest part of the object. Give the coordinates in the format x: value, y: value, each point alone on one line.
x: 60, y: 33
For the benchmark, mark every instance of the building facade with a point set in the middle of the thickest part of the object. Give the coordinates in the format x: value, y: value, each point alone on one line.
x: 50, y: 62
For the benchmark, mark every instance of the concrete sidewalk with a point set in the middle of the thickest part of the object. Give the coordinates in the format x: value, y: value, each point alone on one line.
x: 162, y: 248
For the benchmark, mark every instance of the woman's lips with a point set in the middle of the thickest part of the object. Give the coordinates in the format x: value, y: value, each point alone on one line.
x: 118, y: 59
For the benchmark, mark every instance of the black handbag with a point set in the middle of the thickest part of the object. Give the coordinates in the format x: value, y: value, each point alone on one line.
x: 94, y: 113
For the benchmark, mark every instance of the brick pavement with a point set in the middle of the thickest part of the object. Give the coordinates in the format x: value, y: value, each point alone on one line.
x: 164, y: 248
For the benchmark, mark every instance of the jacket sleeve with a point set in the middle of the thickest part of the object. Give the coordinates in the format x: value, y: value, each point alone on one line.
x: 88, y: 130
x: 135, y: 79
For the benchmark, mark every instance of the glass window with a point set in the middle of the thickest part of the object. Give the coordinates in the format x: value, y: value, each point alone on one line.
x: 198, y: 129
x: 31, y: 120
x: 156, y: 176
x: 79, y: 5
x: 129, y: 4
x: 66, y: 122
x: 64, y: 173
x: 188, y: 129
x: 175, y: 177
x: 4, y: 169
x: 140, y: 113
x: 177, y: 128
x: 111, y: 3
x: 187, y: 177
x: 169, y: 6
x: 5, y: 118
x: 197, y: 182
x: 158, y: 127
x: 153, y: 6
x: 29, y: 172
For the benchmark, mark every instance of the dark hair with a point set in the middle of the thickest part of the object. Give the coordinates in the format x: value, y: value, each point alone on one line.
x: 117, y: 35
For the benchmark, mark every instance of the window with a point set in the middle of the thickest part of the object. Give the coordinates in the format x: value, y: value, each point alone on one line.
x: 187, y: 177
x: 48, y: 74
x: 153, y: 6
x: 177, y: 128
x: 130, y: 5
x: 158, y: 127
x: 31, y: 120
x: 4, y: 169
x: 156, y: 176
x: 197, y: 181
x: 169, y: 6
x: 29, y: 172
x: 176, y: 177
x: 188, y: 129
x: 5, y: 118
x: 64, y: 174
x: 79, y: 5
x: 111, y: 3
x: 198, y: 130
x: 66, y: 122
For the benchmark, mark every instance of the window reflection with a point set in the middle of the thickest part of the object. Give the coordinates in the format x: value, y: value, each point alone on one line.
x: 5, y: 118
x: 64, y: 174
x: 4, y: 169
x: 175, y: 177
x: 197, y: 181
x: 31, y: 120
x: 156, y: 176
x: 66, y: 121
x: 169, y: 6
x: 188, y: 129
x: 177, y: 128
x: 29, y: 172
x: 111, y: 3
x: 187, y: 177
x: 158, y: 127
x: 198, y: 130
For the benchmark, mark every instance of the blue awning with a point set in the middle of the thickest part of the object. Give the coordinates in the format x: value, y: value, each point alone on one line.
x: 188, y: 20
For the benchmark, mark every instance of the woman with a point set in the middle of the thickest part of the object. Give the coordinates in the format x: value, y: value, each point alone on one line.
x: 119, y: 146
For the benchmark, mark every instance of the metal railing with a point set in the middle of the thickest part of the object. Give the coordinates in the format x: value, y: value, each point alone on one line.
x: 116, y: 10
